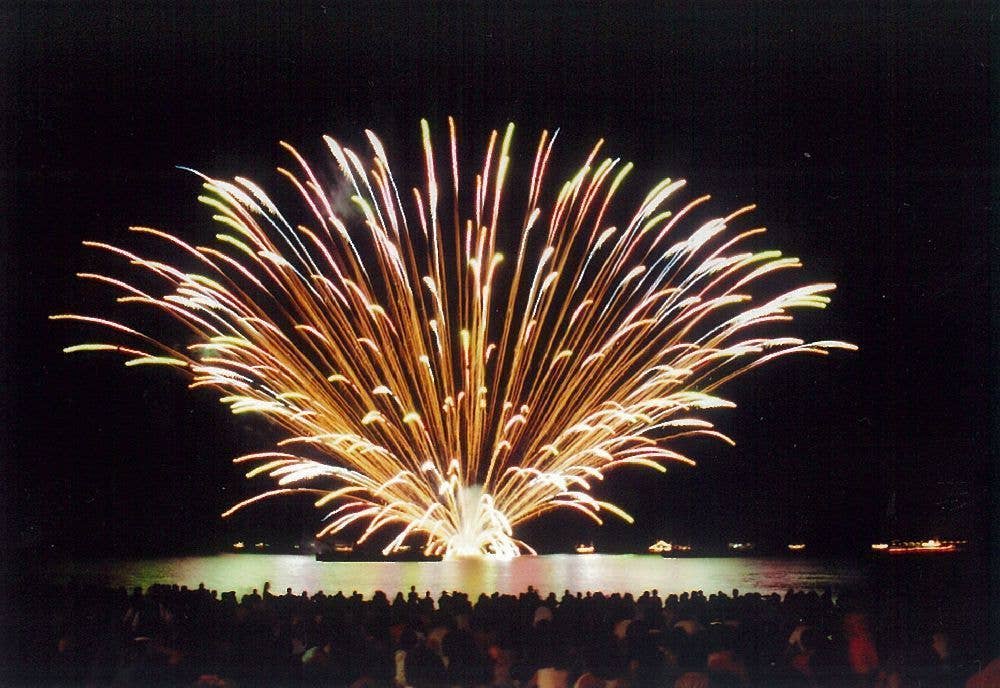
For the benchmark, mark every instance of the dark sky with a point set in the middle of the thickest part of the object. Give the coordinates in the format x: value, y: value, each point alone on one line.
x: 861, y: 130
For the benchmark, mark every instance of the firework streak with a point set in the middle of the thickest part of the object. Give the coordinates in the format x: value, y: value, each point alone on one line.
x: 434, y: 386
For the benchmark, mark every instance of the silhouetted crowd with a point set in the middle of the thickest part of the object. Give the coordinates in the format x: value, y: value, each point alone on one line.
x: 175, y: 636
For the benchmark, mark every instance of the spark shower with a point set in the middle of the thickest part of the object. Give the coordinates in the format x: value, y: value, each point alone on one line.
x: 430, y: 383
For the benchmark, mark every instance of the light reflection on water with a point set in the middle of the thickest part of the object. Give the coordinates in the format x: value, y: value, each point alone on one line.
x: 608, y: 573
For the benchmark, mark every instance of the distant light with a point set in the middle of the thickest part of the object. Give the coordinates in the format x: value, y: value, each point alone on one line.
x: 740, y: 546
x: 880, y: 546
x: 585, y: 549
x: 261, y: 545
x: 795, y: 547
x: 239, y: 545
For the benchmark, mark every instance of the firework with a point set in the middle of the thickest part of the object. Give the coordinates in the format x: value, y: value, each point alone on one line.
x: 429, y: 383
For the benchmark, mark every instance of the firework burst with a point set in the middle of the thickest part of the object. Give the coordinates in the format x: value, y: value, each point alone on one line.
x: 430, y: 384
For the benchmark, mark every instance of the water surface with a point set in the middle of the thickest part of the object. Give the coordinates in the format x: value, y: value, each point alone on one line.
x: 548, y: 573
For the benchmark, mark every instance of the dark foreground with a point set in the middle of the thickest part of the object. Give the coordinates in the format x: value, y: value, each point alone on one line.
x: 174, y: 636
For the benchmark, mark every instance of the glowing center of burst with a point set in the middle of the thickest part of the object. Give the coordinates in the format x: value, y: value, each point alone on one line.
x: 480, y: 529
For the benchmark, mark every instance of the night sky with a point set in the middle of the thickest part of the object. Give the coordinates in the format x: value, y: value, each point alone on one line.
x: 860, y: 130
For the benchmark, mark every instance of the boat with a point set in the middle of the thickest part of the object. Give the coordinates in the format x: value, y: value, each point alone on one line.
x: 338, y: 552
x: 931, y: 546
x: 407, y: 553
x: 247, y: 547
x: 659, y: 547
x: 669, y: 550
x: 347, y: 552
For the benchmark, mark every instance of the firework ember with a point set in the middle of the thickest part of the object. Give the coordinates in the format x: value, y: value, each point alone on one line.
x: 434, y: 386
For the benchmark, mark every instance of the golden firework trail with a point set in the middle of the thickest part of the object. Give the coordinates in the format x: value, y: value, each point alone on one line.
x: 429, y: 383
